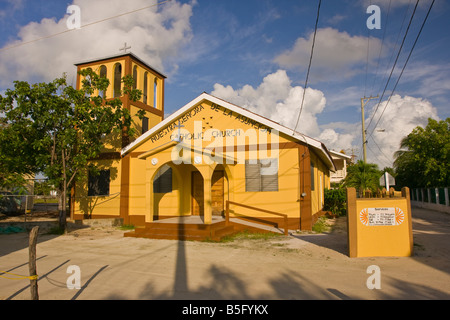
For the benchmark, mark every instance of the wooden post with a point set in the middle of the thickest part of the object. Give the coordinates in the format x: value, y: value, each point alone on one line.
x: 352, y: 223
x: 227, y: 213
x: 32, y: 263
x: 407, y: 196
x: 286, y: 225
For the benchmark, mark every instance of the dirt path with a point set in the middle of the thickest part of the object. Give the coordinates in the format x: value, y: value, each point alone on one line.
x: 301, y: 266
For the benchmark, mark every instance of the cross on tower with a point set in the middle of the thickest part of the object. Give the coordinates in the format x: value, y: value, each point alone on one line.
x: 124, y: 48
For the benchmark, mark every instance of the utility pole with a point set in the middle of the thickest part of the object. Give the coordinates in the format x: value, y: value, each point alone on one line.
x: 363, y: 103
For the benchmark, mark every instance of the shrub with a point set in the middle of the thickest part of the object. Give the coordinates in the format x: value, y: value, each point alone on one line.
x: 335, y: 201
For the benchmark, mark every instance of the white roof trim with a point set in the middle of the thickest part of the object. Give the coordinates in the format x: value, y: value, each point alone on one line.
x: 340, y: 154
x: 269, y: 123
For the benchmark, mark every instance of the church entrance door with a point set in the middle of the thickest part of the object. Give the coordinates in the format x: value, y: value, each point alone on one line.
x: 197, y: 194
x: 217, y: 193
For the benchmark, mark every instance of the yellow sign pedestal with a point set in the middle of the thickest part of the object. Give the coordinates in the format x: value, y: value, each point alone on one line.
x: 379, y: 226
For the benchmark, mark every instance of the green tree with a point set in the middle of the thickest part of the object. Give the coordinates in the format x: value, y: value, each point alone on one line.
x: 362, y: 176
x: 55, y: 129
x: 12, y: 170
x: 424, y: 156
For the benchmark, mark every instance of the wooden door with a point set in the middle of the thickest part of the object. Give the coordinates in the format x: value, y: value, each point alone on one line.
x: 217, y: 193
x: 197, y: 194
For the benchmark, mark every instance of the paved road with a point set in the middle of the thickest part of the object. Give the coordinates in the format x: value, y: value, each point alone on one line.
x: 302, y: 266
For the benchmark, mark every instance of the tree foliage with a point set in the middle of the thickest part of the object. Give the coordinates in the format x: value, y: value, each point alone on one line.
x: 56, y: 129
x: 363, y: 176
x: 424, y: 156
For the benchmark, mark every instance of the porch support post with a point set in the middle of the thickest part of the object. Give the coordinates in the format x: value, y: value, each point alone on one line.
x: 207, y: 172
x: 207, y: 200
x: 149, y: 210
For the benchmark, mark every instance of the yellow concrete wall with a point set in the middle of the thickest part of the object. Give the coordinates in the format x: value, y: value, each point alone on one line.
x: 321, y: 181
x: 151, y: 80
x: 285, y: 200
x: 282, y: 201
x: 100, y: 205
x: 113, y: 143
x: 109, y: 74
x: 209, y: 121
x: 153, y: 120
x: 137, y: 197
x: 367, y: 239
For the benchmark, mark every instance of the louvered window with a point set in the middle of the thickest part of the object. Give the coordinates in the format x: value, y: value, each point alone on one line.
x: 261, y: 175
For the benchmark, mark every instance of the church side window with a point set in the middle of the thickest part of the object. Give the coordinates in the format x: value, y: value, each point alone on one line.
x: 163, y: 180
x: 261, y: 175
x: 312, y: 177
x: 135, y: 72
x: 103, y: 71
x: 98, y: 183
x: 88, y: 82
x: 117, y: 80
x: 145, y: 93
x: 144, y: 125
x: 155, y: 103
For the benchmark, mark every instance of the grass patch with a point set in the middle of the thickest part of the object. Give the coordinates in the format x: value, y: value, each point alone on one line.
x: 127, y: 227
x: 247, y: 235
x: 321, y: 225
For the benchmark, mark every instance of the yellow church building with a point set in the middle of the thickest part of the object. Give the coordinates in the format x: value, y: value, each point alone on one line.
x: 208, y: 162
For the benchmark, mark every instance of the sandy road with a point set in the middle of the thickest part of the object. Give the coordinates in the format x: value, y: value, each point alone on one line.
x: 301, y: 266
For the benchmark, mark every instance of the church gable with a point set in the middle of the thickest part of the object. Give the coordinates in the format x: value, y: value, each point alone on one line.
x: 208, y: 125
x: 212, y: 123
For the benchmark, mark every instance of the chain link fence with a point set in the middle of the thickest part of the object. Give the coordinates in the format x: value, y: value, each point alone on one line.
x: 15, y: 204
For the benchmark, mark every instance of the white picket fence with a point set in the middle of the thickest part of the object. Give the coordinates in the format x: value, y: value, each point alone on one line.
x: 431, y: 198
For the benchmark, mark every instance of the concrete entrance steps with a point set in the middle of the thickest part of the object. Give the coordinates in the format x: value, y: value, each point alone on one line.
x: 193, y: 228
x: 258, y: 227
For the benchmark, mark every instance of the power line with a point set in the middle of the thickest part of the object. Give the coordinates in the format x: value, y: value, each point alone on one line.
x: 376, y: 156
x: 386, y: 157
x: 367, y: 56
x: 309, y: 66
x: 395, y: 63
x: 406, y: 62
x: 381, y: 47
x: 84, y: 26
x: 396, y: 42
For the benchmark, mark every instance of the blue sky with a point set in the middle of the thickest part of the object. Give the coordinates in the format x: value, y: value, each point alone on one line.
x: 255, y: 53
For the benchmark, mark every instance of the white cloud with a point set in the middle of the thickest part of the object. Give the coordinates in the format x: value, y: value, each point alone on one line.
x: 338, y: 141
x: 154, y: 34
x: 400, y: 117
x: 336, y: 19
x: 275, y: 98
x: 337, y: 54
